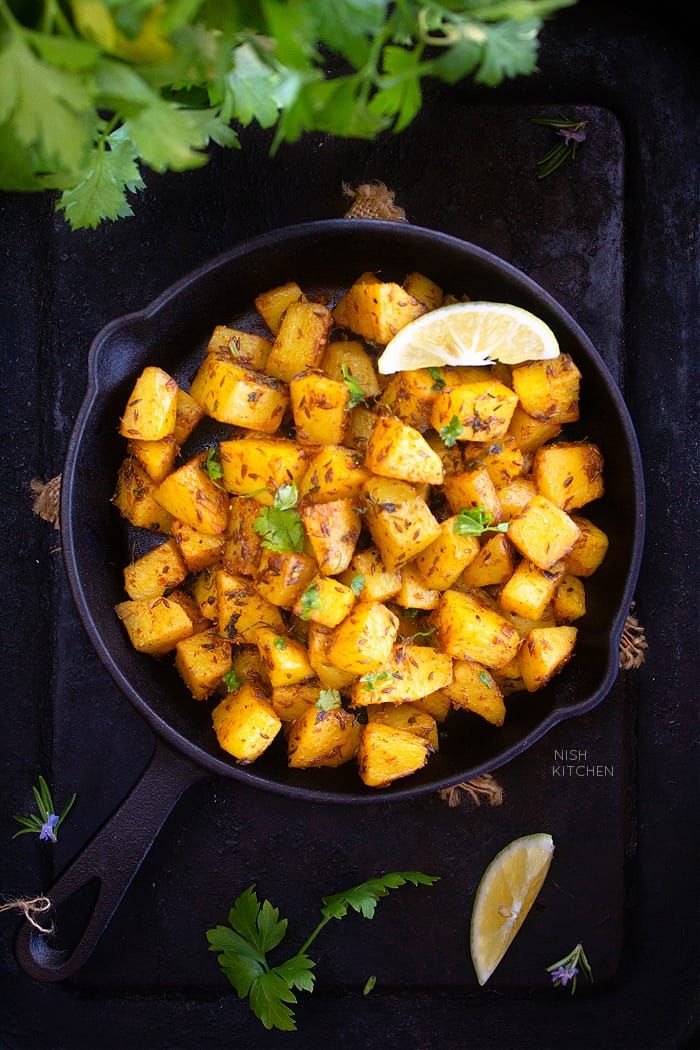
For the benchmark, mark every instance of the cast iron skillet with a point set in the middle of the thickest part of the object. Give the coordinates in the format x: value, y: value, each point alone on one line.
x: 172, y: 332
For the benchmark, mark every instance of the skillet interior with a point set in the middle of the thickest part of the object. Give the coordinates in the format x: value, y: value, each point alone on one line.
x: 172, y: 333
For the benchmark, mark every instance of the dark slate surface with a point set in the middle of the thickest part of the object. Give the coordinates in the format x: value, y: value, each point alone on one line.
x: 619, y: 227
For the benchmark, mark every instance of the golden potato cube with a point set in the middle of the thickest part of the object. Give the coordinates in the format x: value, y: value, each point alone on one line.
x: 260, y: 465
x: 242, y: 347
x: 482, y: 410
x: 548, y: 390
x: 283, y: 576
x: 364, y: 640
x: 197, y: 549
x: 509, y: 678
x: 134, y: 498
x: 545, y: 651
x: 503, y: 459
x: 412, y: 672
x: 349, y: 359
x: 474, y: 689
x: 408, y: 717
x: 530, y: 433
x: 325, y: 601
x: 437, y: 705
x: 152, y: 407
x: 523, y: 625
x: 156, y: 572
x: 273, y: 304
x: 589, y: 550
x: 190, y: 606
x: 515, y: 496
x: 399, y: 521
x: 569, y: 600
x: 333, y: 530
x: 154, y: 625
x: 530, y: 590
x: 570, y: 475
x: 248, y: 665
x: 376, y: 309
x: 361, y: 424
x: 156, y: 457
x: 300, y: 340
x: 320, y: 408
x: 542, y: 533
x: 204, y: 593
x: 191, y: 496
x: 286, y: 660
x: 414, y: 592
x: 492, y: 566
x: 292, y: 701
x: 442, y: 562
x: 387, y: 753
x: 473, y: 488
x: 323, y: 738
x: 410, y: 395
x: 233, y: 393
x: 469, y: 629
x: 368, y: 577
x: 319, y: 642
x: 241, y: 611
x: 424, y: 290
x: 395, y: 450
x: 450, y: 457
x: 202, y: 661
x: 245, y: 723
x: 333, y: 473
x: 243, y: 546
x: 188, y: 414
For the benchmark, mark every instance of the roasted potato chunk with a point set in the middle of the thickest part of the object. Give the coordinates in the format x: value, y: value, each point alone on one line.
x: 319, y: 642
x: 441, y: 564
x: 234, y: 393
x: 156, y: 457
x: 412, y: 672
x: 530, y: 433
x: 424, y: 290
x: 320, y: 408
x: 570, y: 475
x: 376, y: 309
x: 399, y: 521
x: 408, y: 717
x: 258, y: 466
x: 283, y: 576
x: 243, y: 546
x: 544, y: 653
x: 245, y: 723
x: 548, y: 390
x: 203, y: 660
x: 515, y: 496
x: 414, y: 592
x: 333, y: 473
x: 469, y: 629
x: 589, y: 550
x: 152, y: 407
x: 273, y: 304
x: 482, y: 411
x: 411, y: 395
x: 569, y: 600
x: 333, y: 529
x: 197, y: 549
x: 473, y: 488
x: 187, y: 416
x: 156, y: 572
x: 395, y: 450
x: 292, y: 701
x: 530, y: 590
x: 369, y: 579
x: 364, y: 640
x: 323, y: 738
x: 300, y: 340
x: 191, y: 496
x: 502, y: 459
x: 134, y: 498
x: 387, y: 754
x: 241, y: 611
x: 154, y: 625
x: 349, y: 360
x: 251, y: 351
x: 286, y: 660
x: 474, y: 689
x: 542, y: 533
x: 492, y: 566
x: 325, y: 601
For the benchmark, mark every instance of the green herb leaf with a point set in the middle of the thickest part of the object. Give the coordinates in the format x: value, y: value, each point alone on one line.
x: 280, y: 525
x: 212, y: 465
x: 369, y: 985
x: 372, y: 679
x: 474, y: 521
x: 280, y: 643
x: 438, y: 382
x: 310, y: 600
x: 101, y: 193
x: 357, y: 394
x: 328, y: 700
x: 48, y: 821
x: 364, y: 898
x: 232, y: 682
x: 451, y: 431
x: 357, y: 584
x: 485, y: 678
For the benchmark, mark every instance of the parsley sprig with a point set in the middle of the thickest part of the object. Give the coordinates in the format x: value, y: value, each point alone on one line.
x: 212, y: 465
x: 357, y: 394
x: 255, y: 929
x: 474, y: 521
x: 451, y: 431
x: 280, y: 525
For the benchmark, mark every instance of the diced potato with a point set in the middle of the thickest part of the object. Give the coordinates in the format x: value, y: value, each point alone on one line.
x: 333, y: 473
x: 410, y: 395
x: 424, y: 290
x: 233, y: 393
x: 283, y: 576
x: 198, y: 550
x: 376, y: 309
x: 252, y: 465
x: 325, y: 601
x: 156, y: 572
x: 152, y: 407
x: 530, y: 590
x: 273, y: 304
x: 515, y: 496
x: 545, y: 651
x: 570, y: 475
x: 320, y: 408
x: 202, y: 661
x: 191, y: 496
x: 399, y: 521
x: 352, y: 358
x: 414, y: 592
x: 190, y: 606
x: 204, y: 593
x: 548, y: 390
x: 323, y: 738
x: 292, y: 701
x: 241, y: 611
x: 509, y: 678
x: 320, y: 641
x: 450, y: 457
x: 473, y: 488
x: 188, y: 415
x: 542, y: 533
x: 469, y: 629
x: 395, y: 450
x: 300, y: 340
x: 387, y: 753
x: 245, y: 723
x: 333, y: 529
x: 135, y: 501
x: 412, y: 671
x: 156, y: 457
x: 589, y: 550
x: 474, y: 689
x: 248, y: 665
x: 442, y: 562
x: 483, y: 410
x: 362, y: 422
x: 364, y: 640
x: 408, y: 717
x: 243, y: 547
x: 503, y: 459
x: 523, y: 625
x: 437, y: 705
x: 242, y: 347
x: 569, y: 600
x: 492, y: 566
x: 375, y: 583
x: 154, y: 625
x: 529, y: 433
x: 288, y: 663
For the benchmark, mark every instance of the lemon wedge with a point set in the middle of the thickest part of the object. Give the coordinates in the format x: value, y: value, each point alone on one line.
x: 476, y: 333
x: 507, y: 891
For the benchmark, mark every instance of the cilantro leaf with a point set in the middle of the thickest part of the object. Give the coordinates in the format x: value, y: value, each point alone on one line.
x: 280, y: 643
x: 438, y: 381
x: 401, y: 95
x: 357, y: 584
x: 232, y: 682
x: 309, y: 601
x: 101, y: 193
x: 212, y: 465
x: 485, y: 678
x: 373, y: 678
x: 357, y: 394
x: 451, y: 431
x: 474, y: 521
x: 280, y: 525
x: 328, y: 700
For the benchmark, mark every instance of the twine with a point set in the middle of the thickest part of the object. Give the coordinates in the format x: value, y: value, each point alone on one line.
x: 483, y: 788
x: 47, y: 502
x: 373, y: 200
x: 30, y: 908
x: 633, y: 643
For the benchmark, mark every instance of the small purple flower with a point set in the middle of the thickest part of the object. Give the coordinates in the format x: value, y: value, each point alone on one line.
x: 48, y: 829
x: 572, y: 134
x: 564, y: 974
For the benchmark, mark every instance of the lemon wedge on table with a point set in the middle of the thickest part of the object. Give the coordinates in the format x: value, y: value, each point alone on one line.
x: 476, y: 333
x: 507, y: 891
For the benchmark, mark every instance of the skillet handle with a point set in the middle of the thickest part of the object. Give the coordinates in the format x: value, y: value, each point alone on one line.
x: 113, y: 856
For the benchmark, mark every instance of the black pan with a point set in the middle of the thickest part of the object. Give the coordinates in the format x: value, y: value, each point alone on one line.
x: 172, y: 333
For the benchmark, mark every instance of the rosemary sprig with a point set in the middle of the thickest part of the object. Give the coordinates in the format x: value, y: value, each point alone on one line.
x: 567, y: 969
x: 47, y: 822
x: 572, y: 133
